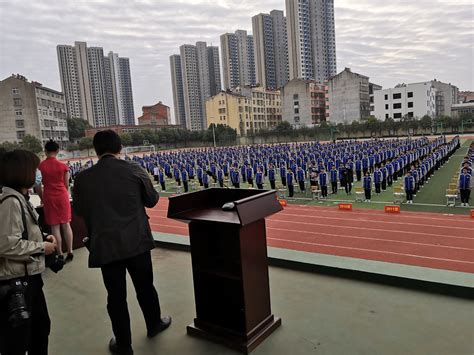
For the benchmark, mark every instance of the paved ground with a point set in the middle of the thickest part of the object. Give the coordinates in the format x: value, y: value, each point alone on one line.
x: 321, y: 315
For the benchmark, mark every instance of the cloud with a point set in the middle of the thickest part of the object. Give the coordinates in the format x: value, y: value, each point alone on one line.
x: 407, y: 41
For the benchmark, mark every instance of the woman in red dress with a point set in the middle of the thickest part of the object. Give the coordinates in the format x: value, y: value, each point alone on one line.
x: 55, y: 197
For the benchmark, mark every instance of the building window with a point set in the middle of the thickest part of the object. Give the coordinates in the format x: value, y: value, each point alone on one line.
x: 397, y: 106
x: 20, y: 124
x: 18, y: 112
x: 16, y: 101
x: 297, y: 119
x: 386, y: 106
x: 297, y: 110
x: 410, y: 94
x: 410, y: 114
x: 410, y: 104
x: 295, y: 97
x: 386, y: 115
x: 386, y: 96
x: 20, y: 134
x: 397, y: 96
x: 15, y: 91
x: 397, y: 115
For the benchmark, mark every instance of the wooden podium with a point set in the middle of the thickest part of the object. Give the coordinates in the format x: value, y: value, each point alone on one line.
x: 229, y: 259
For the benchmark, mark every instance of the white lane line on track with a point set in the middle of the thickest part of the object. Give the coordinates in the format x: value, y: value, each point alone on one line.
x: 373, y: 221
x: 378, y: 239
x: 348, y: 227
x: 375, y: 251
x: 369, y: 229
x: 360, y: 249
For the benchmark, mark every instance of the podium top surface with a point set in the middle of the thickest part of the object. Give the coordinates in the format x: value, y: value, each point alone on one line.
x: 206, y: 205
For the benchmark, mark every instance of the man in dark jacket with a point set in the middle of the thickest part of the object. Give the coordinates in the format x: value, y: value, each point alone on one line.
x: 111, y: 197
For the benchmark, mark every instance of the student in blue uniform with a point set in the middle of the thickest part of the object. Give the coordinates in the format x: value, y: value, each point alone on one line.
x: 177, y: 175
x: 283, y: 174
x: 243, y: 171
x: 383, y: 169
x: 250, y: 173
x: 409, y: 185
x: 184, y: 177
x: 334, y: 174
x: 323, y: 183
x: 349, y: 177
x: 199, y: 175
x: 301, y: 178
x: 271, y: 176
x: 259, y: 179
x: 161, y: 178
x: 358, y: 169
x: 367, y: 184
x: 205, y: 180
x: 289, y: 182
x: 235, y: 177
x: 220, y: 176
x: 465, y: 184
x: 377, y: 180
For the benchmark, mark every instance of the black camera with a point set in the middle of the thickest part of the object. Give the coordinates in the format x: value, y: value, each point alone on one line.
x: 13, y: 293
x: 54, y: 262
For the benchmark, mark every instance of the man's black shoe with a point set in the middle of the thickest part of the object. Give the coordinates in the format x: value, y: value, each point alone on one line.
x: 164, y: 323
x: 121, y: 350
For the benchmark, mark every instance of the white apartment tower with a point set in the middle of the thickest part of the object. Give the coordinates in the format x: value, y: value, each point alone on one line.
x: 271, y: 49
x: 200, y: 79
x: 311, y: 39
x: 97, y: 89
x: 238, y: 59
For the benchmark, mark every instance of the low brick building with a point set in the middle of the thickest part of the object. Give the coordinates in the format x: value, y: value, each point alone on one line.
x: 155, y: 115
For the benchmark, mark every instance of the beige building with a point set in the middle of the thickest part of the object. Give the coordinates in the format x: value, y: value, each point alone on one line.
x: 28, y: 108
x: 246, y: 110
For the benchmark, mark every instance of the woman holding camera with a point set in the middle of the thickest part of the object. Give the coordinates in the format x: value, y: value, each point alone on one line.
x: 24, y: 319
x: 55, y: 197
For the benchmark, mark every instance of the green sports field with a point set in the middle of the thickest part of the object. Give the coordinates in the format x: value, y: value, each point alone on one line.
x: 431, y: 198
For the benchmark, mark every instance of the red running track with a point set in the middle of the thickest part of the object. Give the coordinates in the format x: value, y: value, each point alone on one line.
x: 422, y: 239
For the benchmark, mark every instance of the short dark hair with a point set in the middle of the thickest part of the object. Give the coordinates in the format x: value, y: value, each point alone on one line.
x: 18, y: 169
x: 107, y: 141
x: 51, y: 146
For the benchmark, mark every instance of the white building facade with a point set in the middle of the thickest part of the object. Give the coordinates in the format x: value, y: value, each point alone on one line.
x: 412, y: 100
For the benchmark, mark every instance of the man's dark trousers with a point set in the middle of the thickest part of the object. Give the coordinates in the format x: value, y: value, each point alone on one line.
x: 141, y: 273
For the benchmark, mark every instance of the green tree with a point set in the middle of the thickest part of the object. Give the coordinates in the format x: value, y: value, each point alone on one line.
x: 32, y: 143
x: 284, y: 128
x: 76, y: 127
x: 426, y: 123
x: 126, y: 139
x: 9, y: 146
x: 372, y: 125
x: 85, y: 143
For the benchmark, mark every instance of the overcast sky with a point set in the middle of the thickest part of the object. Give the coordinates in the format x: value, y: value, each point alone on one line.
x: 391, y: 42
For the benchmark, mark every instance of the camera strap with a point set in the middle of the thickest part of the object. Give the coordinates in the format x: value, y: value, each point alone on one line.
x: 24, y: 234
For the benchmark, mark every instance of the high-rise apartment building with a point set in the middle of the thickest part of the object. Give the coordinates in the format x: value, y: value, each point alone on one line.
x: 311, y: 39
x: 200, y: 79
x: 97, y: 88
x: 178, y: 90
x: 238, y: 59
x: 29, y: 108
x: 271, y: 49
